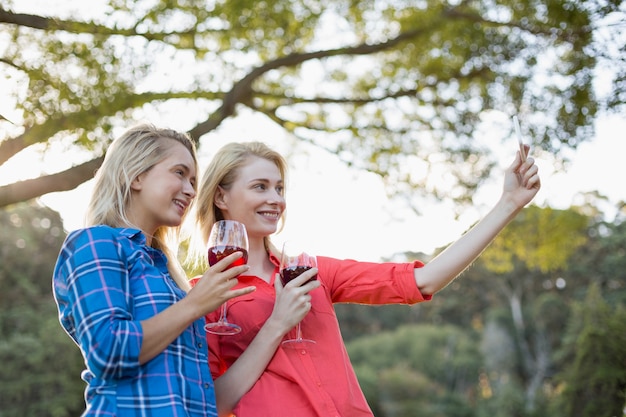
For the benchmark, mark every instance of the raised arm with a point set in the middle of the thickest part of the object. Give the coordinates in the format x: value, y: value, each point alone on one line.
x: 521, y: 184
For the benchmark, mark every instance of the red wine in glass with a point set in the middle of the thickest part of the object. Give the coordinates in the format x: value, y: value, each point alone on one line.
x: 226, y: 237
x: 217, y: 253
x: 292, y: 272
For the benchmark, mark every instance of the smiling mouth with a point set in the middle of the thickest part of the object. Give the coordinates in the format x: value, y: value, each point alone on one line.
x: 270, y: 214
x: 180, y: 204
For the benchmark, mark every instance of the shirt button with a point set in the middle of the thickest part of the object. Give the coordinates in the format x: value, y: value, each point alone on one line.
x: 206, y: 385
x: 200, y: 345
x: 303, y: 352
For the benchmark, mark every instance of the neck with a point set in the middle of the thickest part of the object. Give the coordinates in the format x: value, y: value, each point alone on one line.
x: 259, y: 260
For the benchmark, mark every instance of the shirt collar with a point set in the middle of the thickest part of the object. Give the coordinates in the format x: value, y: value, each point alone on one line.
x: 135, y: 235
x: 274, y: 259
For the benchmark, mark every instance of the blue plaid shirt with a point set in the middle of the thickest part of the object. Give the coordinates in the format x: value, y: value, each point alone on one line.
x: 106, y: 281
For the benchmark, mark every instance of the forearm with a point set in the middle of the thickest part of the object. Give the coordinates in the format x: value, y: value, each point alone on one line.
x: 162, y: 329
x: 247, y: 369
x: 442, y: 270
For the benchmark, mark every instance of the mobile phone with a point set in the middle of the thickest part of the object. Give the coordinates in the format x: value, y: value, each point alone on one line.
x: 520, y: 141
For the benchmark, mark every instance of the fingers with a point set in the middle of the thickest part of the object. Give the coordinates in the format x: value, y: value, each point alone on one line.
x: 240, y: 291
x: 529, y: 174
x: 278, y: 284
x: 532, y: 179
x: 222, y: 276
x: 299, y: 294
x: 309, y: 275
x: 225, y: 262
x: 518, y: 162
x: 293, y: 300
x: 291, y: 306
x: 305, y: 300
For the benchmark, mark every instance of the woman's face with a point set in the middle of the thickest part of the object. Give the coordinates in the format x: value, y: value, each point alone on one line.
x: 255, y: 197
x: 162, y: 194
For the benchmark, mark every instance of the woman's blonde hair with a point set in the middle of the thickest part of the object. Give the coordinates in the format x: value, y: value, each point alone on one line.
x: 222, y: 172
x: 138, y: 150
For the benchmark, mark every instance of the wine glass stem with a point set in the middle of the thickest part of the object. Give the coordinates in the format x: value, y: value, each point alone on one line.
x: 299, y: 332
x: 223, y: 315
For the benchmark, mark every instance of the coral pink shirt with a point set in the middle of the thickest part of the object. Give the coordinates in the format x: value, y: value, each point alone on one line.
x: 318, y: 379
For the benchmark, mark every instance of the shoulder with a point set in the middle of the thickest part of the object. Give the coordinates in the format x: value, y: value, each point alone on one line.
x: 101, y: 233
x: 99, y: 239
x: 324, y: 262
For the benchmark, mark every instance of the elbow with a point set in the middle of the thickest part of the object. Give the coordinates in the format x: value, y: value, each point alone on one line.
x: 226, y: 399
x: 103, y: 362
x: 224, y: 410
x: 429, y: 283
x: 115, y: 355
x: 428, y: 291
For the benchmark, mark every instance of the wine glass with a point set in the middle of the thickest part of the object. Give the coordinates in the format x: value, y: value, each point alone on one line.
x: 293, y: 263
x: 227, y: 236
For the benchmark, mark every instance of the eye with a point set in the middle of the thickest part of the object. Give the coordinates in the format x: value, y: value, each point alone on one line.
x: 280, y: 189
x: 260, y: 186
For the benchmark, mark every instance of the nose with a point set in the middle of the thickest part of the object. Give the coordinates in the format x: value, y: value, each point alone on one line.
x: 189, y: 189
x: 276, y: 198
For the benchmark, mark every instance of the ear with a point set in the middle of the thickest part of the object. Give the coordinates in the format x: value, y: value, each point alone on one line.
x: 220, y: 198
x: 137, y: 183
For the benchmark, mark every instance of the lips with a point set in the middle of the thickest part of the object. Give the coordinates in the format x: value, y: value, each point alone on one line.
x: 181, y: 205
x: 272, y: 215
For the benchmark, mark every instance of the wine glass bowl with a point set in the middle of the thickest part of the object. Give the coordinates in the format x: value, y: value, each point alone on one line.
x: 226, y: 237
x: 294, y: 266
x: 217, y: 253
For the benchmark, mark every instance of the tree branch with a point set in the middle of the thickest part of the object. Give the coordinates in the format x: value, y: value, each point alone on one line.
x: 87, y: 119
x: 61, y: 181
x: 72, y: 26
x: 242, y: 91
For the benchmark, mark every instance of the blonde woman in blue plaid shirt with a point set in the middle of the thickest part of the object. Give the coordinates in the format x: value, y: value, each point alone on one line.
x: 121, y: 293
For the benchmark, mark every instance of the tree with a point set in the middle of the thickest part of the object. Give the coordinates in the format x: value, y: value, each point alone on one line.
x: 594, y: 379
x: 41, y: 366
x: 539, y: 241
x: 602, y: 260
x: 399, y: 88
x: 418, y: 367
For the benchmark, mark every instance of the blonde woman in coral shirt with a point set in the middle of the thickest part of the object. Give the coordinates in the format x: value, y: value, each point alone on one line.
x: 255, y: 375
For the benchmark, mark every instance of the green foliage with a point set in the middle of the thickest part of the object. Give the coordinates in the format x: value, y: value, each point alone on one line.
x: 357, y: 320
x: 40, y: 372
x: 594, y: 380
x: 508, y: 401
x: 433, y: 369
x: 603, y: 261
x: 542, y: 238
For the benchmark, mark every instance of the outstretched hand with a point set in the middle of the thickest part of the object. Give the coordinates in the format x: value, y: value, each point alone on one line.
x: 521, y: 180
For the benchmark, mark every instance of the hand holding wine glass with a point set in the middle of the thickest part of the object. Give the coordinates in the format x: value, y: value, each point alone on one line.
x: 226, y: 237
x: 293, y: 263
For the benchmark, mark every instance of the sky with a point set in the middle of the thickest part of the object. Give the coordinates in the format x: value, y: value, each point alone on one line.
x: 340, y: 212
